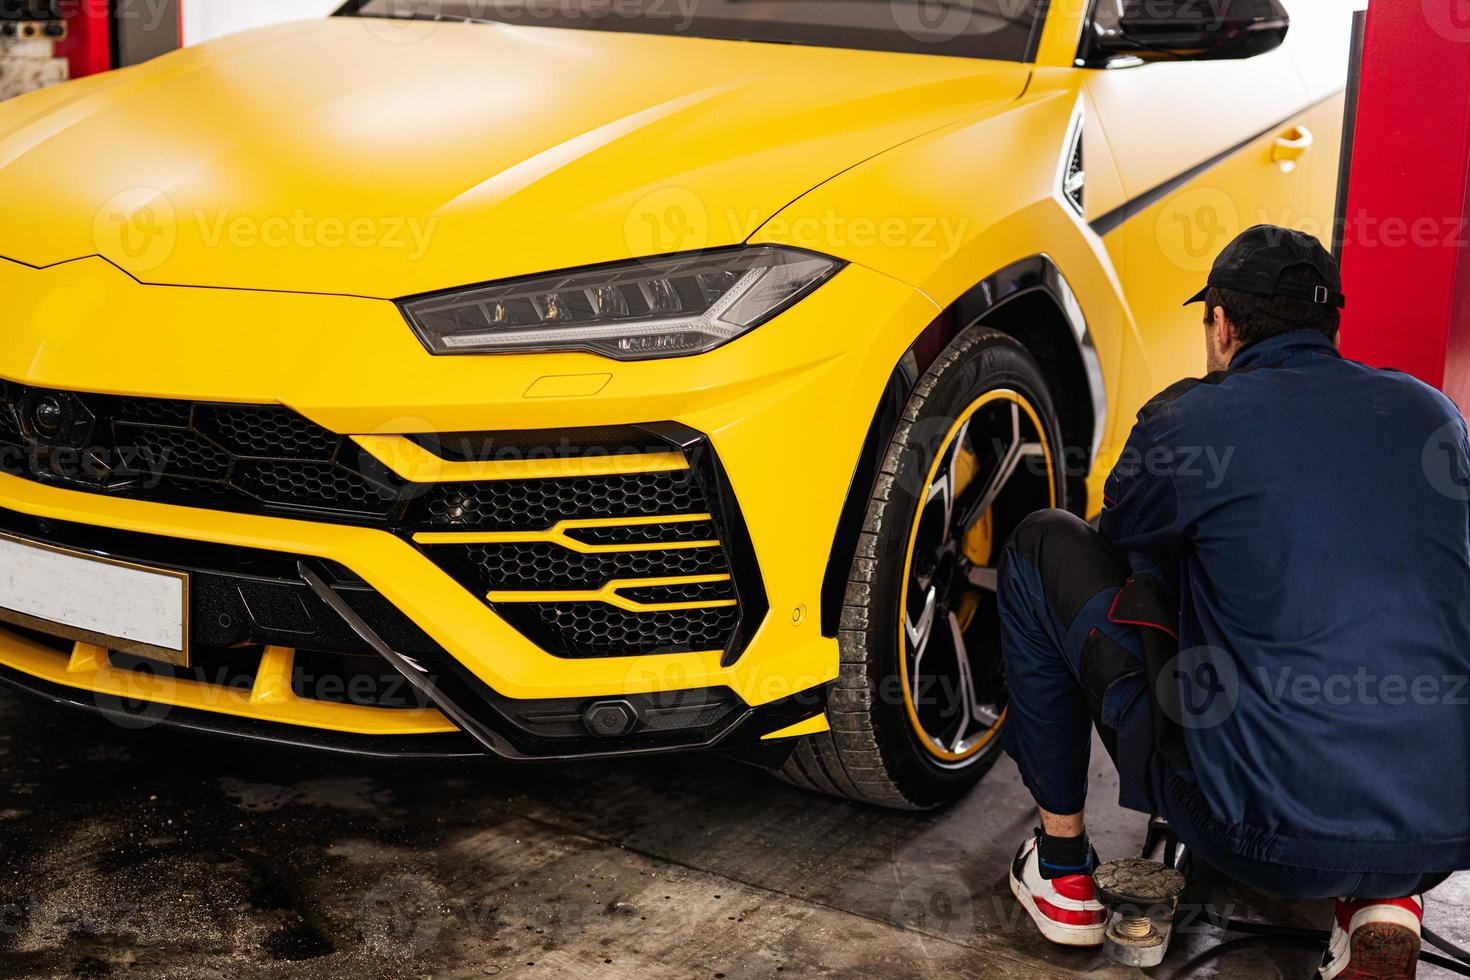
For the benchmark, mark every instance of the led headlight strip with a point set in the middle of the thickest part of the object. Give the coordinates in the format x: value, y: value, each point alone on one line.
x: 665, y: 307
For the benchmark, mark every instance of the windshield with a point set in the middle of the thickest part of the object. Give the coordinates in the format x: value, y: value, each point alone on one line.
x: 998, y: 29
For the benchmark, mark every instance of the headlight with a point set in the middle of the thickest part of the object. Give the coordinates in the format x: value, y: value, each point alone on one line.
x: 666, y: 307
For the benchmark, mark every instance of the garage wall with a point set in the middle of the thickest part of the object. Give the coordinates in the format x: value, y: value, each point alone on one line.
x: 206, y: 19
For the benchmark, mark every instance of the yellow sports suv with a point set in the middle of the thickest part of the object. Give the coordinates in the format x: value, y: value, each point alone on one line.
x: 571, y: 380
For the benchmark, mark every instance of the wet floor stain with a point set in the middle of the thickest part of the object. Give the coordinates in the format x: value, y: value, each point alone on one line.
x: 154, y: 854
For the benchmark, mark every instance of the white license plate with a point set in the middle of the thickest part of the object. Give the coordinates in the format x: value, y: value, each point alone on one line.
x: 123, y: 607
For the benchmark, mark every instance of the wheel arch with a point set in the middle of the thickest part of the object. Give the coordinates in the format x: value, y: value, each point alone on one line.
x: 1030, y: 301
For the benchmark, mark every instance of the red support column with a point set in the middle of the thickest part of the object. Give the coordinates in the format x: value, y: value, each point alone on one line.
x: 88, y: 45
x: 1406, y: 247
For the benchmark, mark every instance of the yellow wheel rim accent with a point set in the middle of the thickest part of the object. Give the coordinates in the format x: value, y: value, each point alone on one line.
x: 978, y: 545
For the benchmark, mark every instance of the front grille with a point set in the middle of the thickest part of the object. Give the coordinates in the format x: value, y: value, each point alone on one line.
x: 244, y: 602
x: 591, y: 629
x: 646, y: 533
x: 536, y: 505
x: 523, y: 567
x: 247, y: 458
x: 595, y: 564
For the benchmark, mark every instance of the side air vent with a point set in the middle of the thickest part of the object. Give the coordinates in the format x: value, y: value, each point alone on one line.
x: 1074, y: 183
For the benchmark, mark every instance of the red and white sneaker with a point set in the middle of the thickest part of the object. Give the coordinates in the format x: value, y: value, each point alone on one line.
x: 1066, y: 910
x: 1374, y: 940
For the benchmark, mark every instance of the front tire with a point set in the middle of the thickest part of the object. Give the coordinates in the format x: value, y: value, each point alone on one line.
x: 918, y: 709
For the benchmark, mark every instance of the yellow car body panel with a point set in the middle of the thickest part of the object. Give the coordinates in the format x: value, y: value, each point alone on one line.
x: 170, y: 244
x: 744, y: 395
x: 469, y: 154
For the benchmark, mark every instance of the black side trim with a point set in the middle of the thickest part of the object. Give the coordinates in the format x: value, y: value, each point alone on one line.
x: 710, y: 474
x: 1114, y: 218
x: 891, y: 403
x: 1349, y: 131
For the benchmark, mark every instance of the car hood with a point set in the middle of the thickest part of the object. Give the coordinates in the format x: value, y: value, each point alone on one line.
x: 386, y: 159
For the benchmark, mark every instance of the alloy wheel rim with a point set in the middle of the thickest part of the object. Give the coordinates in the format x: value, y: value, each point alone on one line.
x: 994, y: 466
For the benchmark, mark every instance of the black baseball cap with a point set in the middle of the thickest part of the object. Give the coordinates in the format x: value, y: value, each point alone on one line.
x: 1255, y: 261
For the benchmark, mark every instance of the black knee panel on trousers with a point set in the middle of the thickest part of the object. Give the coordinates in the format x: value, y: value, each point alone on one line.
x: 1074, y: 560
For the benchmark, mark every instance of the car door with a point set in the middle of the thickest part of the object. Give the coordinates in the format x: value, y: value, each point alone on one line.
x: 1204, y: 149
x: 1321, y: 43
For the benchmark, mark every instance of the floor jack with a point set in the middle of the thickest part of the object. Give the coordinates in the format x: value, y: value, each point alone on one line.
x: 1142, y: 897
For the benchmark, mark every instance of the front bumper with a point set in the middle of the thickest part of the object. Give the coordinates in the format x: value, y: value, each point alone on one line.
x: 784, y: 411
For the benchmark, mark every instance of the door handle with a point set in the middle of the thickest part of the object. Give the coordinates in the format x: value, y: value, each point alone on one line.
x: 1291, y: 146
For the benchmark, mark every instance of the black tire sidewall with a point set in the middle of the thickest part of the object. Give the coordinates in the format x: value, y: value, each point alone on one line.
x: 987, y: 361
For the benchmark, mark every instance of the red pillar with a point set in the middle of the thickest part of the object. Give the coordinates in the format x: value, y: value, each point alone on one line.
x: 1406, y: 246
x: 88, y: 44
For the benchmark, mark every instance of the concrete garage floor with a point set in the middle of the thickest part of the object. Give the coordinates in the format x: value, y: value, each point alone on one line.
x: 158, y: 855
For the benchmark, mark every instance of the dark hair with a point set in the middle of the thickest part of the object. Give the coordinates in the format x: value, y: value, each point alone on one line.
x: 1257, y: 318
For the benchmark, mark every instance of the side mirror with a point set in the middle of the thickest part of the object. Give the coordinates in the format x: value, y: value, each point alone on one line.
x: 1129, y: 32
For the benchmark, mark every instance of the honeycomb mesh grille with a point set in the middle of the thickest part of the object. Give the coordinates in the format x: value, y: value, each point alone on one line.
x: 591, y: 629
x: 155, y: 411
x: 538, y: 505
x: 9, y: 430
x: 521, y: 578
x: 251, y: 458
x: 179, y: 452
x: 541, y: 566
x: 656, y: 595
x: 646, y: 533
x: 268, y: 433
x: 268, y: 459
x: 315, y: 485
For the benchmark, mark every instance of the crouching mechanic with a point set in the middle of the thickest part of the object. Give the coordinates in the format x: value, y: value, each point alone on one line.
x: 1270, y: 631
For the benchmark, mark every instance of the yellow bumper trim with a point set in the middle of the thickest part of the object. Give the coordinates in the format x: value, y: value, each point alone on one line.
x: 272, y: 700
x: 609, y: 594
x: 812, y: 726
x: 416, y: 464
x: 558, y: 535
